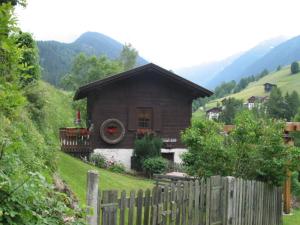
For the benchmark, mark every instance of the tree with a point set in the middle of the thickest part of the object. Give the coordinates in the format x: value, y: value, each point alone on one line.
x: 278, y: 68
x: 206, y: 154
x: 255, y: 149
x: 230, y: 107
x: 293, y: 103
x: 128, y: 57
x: 276, y: 105
x: 86, y: 69
x: 13, y: 2
x: 29, y: 69
x: 294, y: 67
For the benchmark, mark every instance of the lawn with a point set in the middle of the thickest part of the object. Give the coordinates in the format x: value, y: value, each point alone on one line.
x: 74, y: 171
x: 292, y: 219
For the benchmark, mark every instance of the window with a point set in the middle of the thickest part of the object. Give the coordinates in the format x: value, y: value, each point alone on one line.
x: 144, y: 118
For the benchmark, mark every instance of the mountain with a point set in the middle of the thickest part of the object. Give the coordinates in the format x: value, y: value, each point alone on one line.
x: 56, y: 57
x: 283, y: 54
x: 202, y: 73
x: 236, y: 70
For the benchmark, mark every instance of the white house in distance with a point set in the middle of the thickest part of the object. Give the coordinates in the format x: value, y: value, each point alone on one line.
x: 214, y: 113
x: 254, y: 101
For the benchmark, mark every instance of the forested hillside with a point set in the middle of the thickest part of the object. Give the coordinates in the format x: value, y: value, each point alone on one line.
x: 56, y: 57
x: 283, y: 78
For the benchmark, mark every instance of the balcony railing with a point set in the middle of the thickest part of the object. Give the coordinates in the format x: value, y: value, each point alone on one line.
x: 75, y: 141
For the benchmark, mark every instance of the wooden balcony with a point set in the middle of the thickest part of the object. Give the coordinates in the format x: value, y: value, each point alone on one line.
x: 75, y: 141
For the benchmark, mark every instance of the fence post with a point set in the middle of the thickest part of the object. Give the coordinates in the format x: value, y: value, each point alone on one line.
x: 92, y: 197
x: 229, y: 189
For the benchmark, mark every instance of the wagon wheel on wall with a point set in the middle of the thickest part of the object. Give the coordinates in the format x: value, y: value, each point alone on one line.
x: 112, y: 131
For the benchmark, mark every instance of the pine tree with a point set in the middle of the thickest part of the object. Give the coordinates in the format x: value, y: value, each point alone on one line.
x: 295, y: 67
x: 293, y: 103
x: 230, y: 107
x: 276, y: 104
x: 128, y: 57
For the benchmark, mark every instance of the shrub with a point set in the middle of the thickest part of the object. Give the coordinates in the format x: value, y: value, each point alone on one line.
x: 296, y: 184
x: 146, y: 147
x: 206, y: 154
x: 98, y: 160
x: 294, y: 67
x: 255, y: 149
x: 117, y: 168
x: 155, y: 165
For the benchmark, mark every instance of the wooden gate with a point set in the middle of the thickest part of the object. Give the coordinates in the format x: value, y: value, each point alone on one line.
x: 214, y: 201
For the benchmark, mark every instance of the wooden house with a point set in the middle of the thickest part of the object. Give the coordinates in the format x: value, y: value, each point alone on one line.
x: 143, y: 100
x: 268, y: 87
x: 255, y: 101
x: 213, y: 113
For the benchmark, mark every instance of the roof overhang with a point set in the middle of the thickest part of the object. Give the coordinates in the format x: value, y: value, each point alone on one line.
x: 196, y: 90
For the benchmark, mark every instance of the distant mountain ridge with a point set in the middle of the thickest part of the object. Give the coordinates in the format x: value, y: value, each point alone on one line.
x: 282, y: 54
x: 268, y: 55
x: 203, y: 73
x: 236, y: 70
x: 56, y: 57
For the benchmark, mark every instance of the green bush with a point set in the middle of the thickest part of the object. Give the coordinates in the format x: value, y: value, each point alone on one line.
x: 296, y: 184
x: 117, y: 168
x: 98, y: 160
x: 31, y: 200
x: 146, y: 147
x: 254, y: 150
x: 155, y: 165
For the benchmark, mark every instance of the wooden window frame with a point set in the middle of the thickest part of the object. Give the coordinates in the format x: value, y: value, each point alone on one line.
x: 144, y: 122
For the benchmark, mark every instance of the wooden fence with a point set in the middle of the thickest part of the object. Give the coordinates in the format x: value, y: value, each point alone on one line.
x: 215, y: 201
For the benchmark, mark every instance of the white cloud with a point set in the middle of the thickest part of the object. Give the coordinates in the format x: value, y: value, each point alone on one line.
x: 173, y: 33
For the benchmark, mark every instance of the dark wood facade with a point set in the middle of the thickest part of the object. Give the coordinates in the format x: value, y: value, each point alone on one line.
x: 163, y: 98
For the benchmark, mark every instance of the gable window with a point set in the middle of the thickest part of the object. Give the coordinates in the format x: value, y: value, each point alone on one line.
x: 144, y: 118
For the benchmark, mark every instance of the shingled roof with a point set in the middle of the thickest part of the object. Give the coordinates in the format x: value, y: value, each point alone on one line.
x: 197, y: 90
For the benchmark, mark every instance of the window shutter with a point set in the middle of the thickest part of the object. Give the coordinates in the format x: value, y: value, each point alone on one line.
x: 157, y: 118
x: 131, y: 118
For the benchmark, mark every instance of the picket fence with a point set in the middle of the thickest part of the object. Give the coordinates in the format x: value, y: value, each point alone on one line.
x: 214, y: 201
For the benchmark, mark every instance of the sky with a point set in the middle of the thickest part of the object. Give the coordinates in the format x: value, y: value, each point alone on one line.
x: 170, y: 33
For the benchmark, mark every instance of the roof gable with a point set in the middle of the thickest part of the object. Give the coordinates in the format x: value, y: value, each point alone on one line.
x: 196, y: 90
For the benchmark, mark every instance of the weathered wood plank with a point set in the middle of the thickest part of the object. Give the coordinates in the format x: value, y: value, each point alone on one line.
x: 139, y: 207
x: 196, y: 203
x: 147, y: 207
x: 179, y: 202
x: 184, y: 203
x: 131, y: 207
x: 208, y: 201
x: 105, y: 209
x: 153, y: 219
x: 122, y: 208
x: 190, y: 202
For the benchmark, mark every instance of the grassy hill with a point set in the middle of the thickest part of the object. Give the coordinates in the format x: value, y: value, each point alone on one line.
x: 74, y: 172
x: 283, y: 79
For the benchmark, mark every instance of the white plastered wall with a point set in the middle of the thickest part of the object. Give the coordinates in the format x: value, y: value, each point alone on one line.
x: 124, y: 155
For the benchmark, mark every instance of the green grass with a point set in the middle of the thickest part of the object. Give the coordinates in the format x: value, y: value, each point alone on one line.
x: 74, y: 172
x: 283, y: 79
x: 292, y: 219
